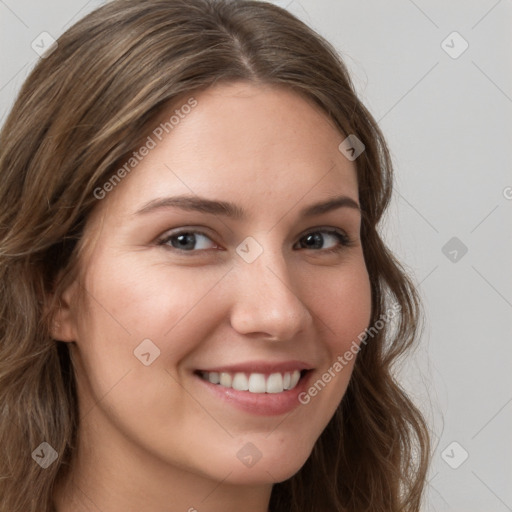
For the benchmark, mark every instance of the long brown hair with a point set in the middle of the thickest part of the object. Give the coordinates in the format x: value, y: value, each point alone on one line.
x: 80, y: 112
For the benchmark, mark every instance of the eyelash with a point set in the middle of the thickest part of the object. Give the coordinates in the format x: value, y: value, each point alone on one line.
x: 344, y: 240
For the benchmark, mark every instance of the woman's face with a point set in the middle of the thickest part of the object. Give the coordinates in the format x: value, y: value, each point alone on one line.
x: 213, y: 258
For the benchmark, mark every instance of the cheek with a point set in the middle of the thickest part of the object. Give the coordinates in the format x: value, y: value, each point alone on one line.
x: 176, y: 309
x: 343, y: 305
x: 155, y: 302
x: 125, y: 306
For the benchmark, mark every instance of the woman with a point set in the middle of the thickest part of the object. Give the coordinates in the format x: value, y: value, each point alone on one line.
x: 198, y: 310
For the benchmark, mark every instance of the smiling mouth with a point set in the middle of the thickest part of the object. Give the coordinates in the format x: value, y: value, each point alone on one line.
x: 277, y: 382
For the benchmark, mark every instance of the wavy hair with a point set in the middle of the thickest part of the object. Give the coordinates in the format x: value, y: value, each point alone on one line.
x: 82, y: 109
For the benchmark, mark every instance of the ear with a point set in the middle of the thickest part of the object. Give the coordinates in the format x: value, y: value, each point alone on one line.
x: 63, y: 322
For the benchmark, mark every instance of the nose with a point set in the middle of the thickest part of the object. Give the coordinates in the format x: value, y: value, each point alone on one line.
x: 266, y: 302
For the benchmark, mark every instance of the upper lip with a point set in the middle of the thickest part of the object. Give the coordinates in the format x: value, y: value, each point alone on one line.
x: 266, y: 367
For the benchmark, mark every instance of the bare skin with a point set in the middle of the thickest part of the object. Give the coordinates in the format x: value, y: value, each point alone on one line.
x: 155, y: 438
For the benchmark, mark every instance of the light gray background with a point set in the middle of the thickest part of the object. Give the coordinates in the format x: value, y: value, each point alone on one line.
x: 448, y: 123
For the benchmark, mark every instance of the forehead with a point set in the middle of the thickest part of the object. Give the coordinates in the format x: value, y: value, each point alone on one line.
x: 253, y: 142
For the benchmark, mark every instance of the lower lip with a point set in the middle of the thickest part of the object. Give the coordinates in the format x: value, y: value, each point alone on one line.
x: 261, y: 404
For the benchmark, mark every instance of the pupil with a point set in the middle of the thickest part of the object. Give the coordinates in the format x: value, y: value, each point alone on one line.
x: 186, y: 241
x: 314, y: 240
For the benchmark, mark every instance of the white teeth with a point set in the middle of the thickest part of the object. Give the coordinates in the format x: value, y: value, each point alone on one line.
x: 295, y: 378
x: 275, y: 383
x: 254, y: 382
x: 257, y: 383
x: 225, y: 379
x: 240, y: 382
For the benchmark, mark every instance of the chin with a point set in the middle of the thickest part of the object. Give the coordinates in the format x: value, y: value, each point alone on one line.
x: 277, y: 468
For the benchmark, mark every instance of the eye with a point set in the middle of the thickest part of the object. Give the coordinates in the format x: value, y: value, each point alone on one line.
x: 188, y: 241
x: 327, y: 240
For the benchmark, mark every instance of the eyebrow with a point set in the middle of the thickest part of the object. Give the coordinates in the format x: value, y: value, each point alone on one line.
x: 231, y: 210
